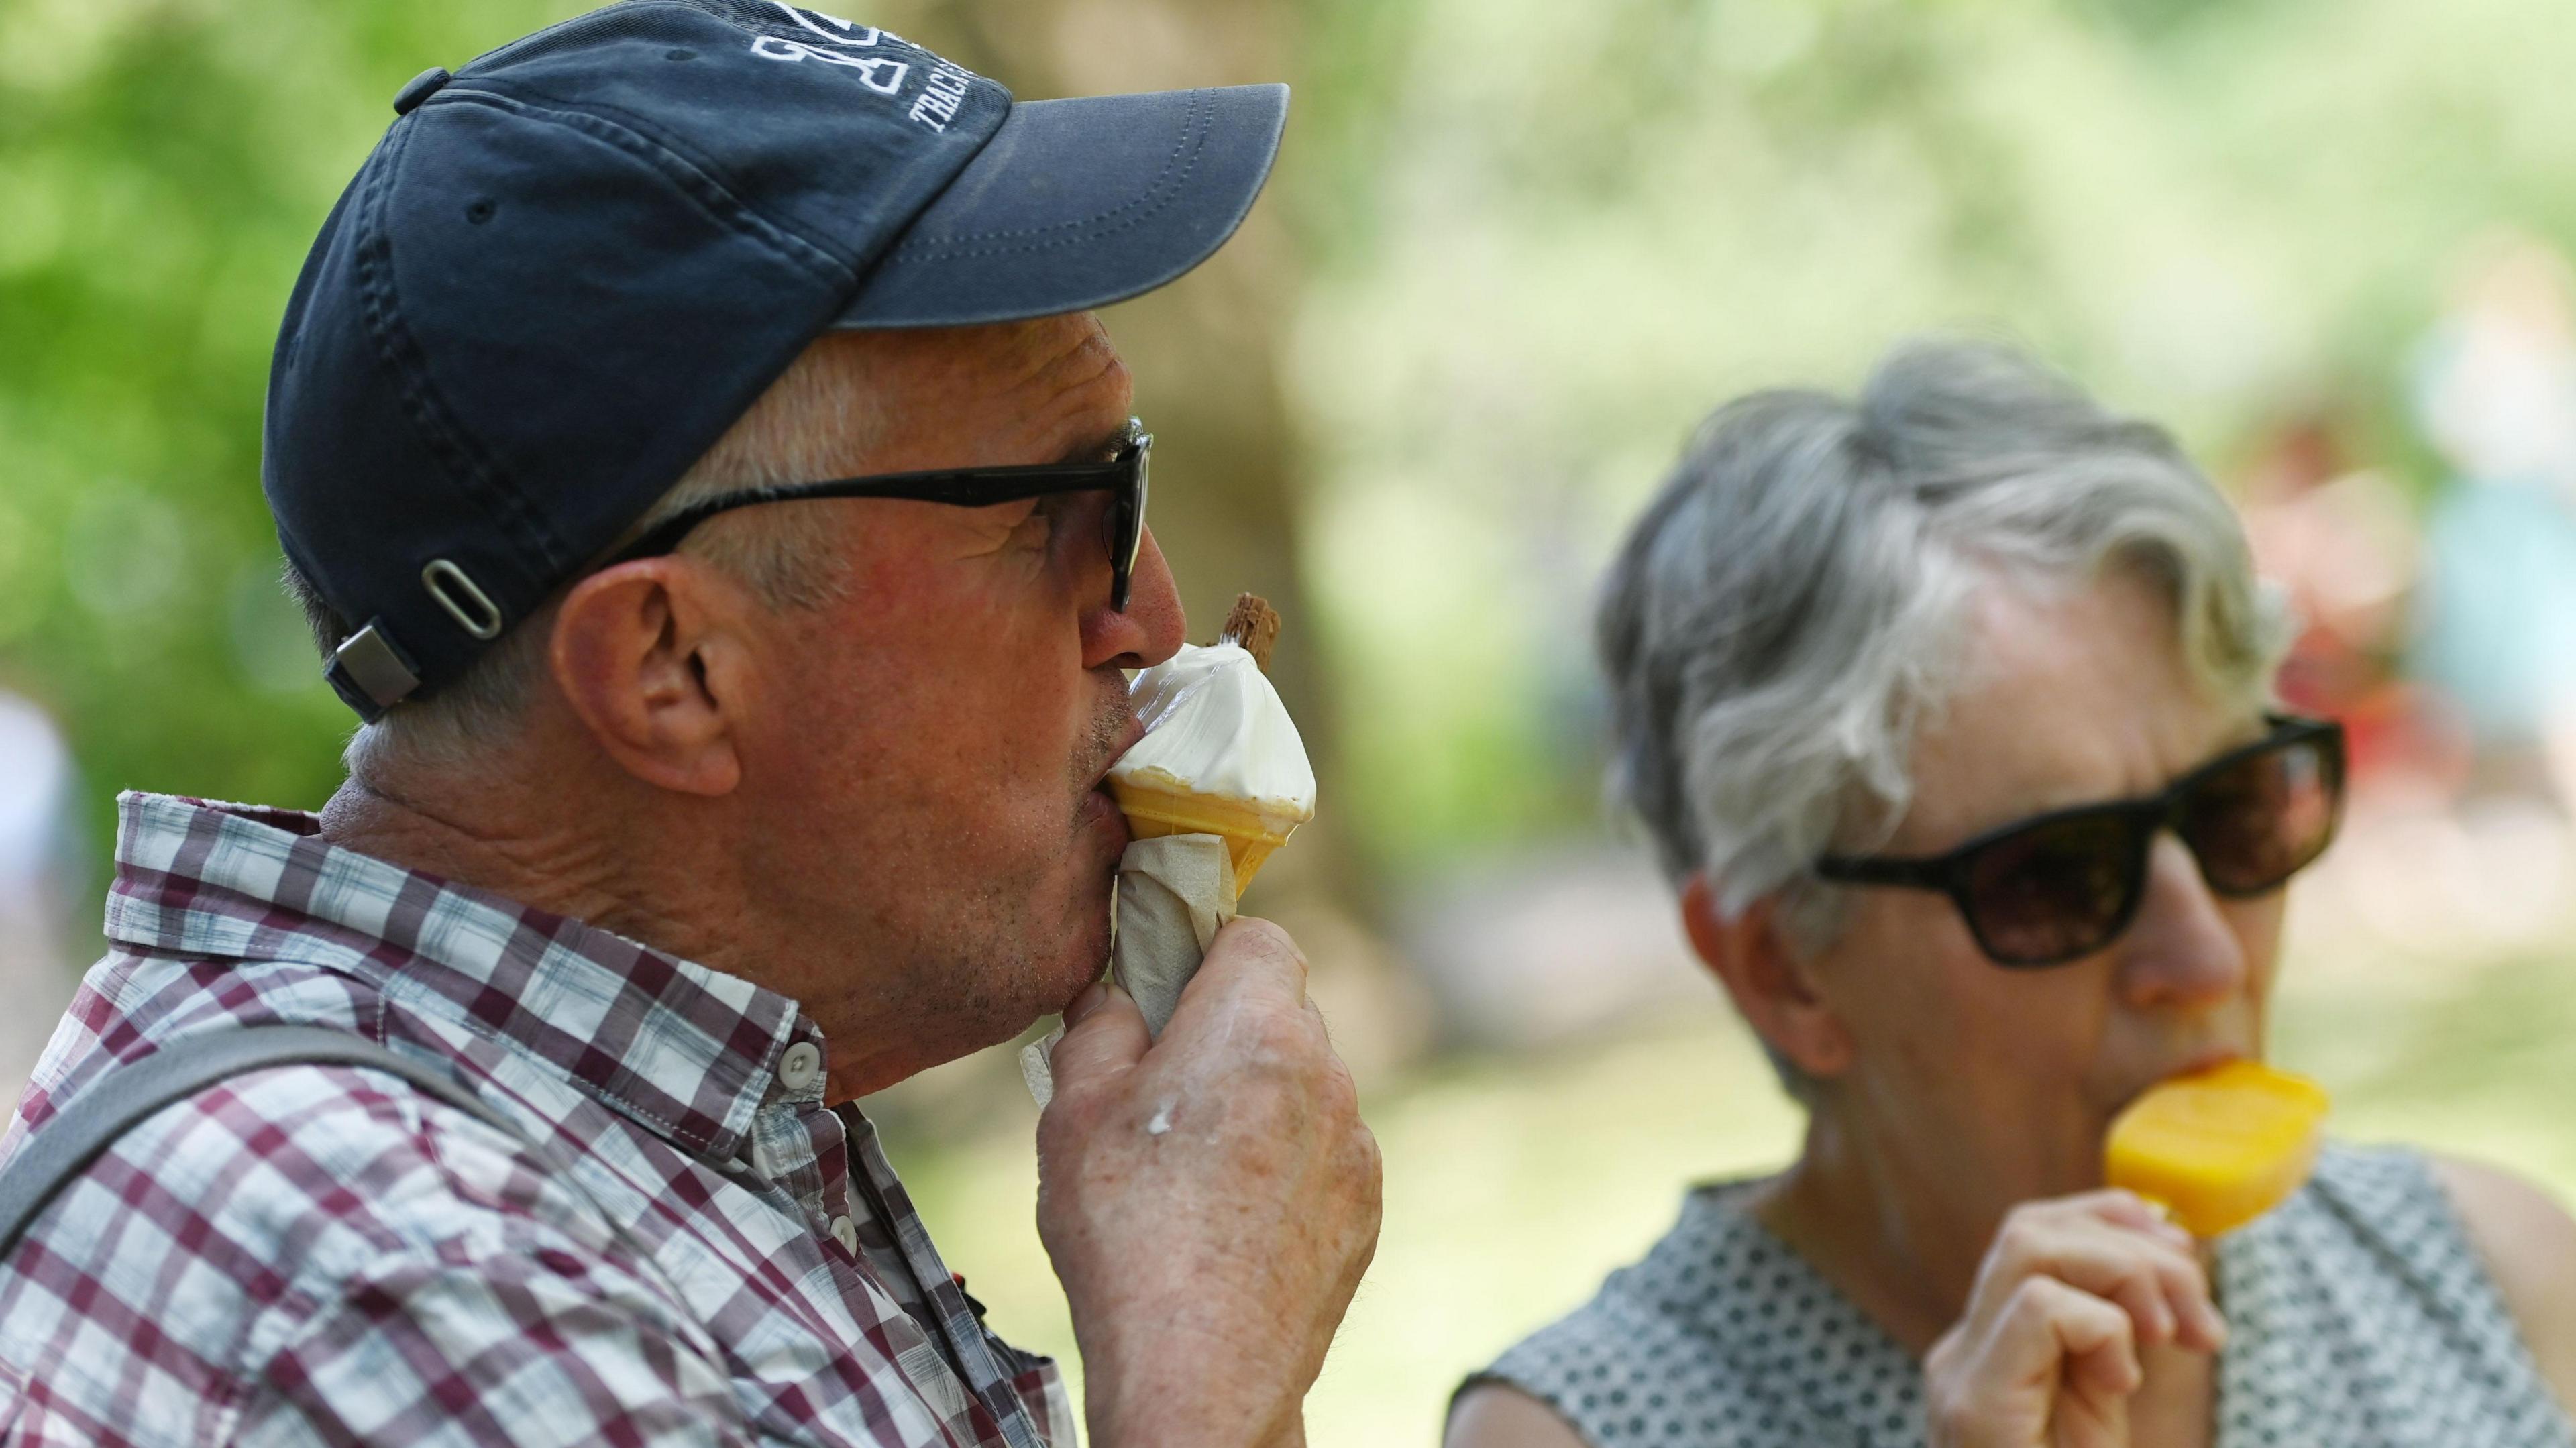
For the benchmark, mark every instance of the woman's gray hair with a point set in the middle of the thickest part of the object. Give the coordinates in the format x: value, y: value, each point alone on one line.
x: 1790, y: 609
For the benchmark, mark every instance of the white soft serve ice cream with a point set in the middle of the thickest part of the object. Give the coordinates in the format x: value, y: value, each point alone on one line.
x: 1216, y: 729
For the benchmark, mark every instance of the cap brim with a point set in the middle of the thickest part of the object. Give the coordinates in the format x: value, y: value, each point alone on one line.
x: 1079, y: 203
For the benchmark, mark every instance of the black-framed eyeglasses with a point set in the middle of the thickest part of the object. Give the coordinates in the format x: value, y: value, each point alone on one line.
x: 1123, y: 476
x: 2057, y: 886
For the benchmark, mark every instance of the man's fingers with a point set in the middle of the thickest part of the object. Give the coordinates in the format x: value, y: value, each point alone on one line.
x: 1093, y: 997
x: 1104, y: 1035
x: 1248, y: 958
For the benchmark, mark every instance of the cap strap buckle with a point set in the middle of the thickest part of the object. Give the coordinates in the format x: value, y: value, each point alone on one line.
x: 370, y: 673
x: 472, y: 608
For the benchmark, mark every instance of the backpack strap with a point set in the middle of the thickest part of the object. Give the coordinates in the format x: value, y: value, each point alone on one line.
x: 127, y: 1094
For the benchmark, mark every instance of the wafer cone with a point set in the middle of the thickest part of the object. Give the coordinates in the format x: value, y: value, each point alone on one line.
x: 1248, y: 835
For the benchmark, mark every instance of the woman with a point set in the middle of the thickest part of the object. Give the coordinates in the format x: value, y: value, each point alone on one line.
x: 1947, y: 710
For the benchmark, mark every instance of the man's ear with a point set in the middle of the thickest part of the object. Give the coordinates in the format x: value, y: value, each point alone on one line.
x: 650, y: 659
x: 1774, y: 990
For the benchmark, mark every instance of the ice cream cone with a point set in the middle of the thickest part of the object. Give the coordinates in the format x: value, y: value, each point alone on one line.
x: 1249, y: 834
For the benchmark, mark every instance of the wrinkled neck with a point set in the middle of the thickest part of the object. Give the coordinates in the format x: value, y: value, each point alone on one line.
x: 1895, y: 1238
x: 547, y: 832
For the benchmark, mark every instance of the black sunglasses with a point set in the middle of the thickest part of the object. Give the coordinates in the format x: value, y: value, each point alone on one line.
x: 1123, y: 476
x: 2049, y: 889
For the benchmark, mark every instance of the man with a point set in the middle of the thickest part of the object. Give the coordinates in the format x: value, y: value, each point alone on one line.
x: 695, y: 801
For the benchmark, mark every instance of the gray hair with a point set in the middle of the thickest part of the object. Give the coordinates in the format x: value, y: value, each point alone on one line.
x: 1790, y: 609
x: 809, y: 424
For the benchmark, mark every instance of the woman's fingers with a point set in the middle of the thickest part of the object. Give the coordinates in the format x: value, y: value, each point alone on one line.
x: 2050, y: 1364
x: 2071, y: 1295
x: 2199, y: 1324
x: 2113, y: 1246
x: 2099, y: 1357
x: 2092, y: 1342
x: 2128, y: 1209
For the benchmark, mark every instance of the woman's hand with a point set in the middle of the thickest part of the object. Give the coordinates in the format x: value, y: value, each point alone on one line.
x: 2069, y: 1296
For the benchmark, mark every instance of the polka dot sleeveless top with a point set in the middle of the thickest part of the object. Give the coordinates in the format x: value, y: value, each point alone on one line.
x: 2359, y: 1315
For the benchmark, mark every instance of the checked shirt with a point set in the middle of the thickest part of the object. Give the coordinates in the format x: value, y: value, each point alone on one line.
x: 687, y: 1247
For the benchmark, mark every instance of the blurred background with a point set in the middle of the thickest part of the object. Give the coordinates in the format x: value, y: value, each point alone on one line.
x: 1512, y: 254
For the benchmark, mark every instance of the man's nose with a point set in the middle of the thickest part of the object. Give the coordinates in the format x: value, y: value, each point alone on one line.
x: 1151, y: 628
x: 2180, y: 951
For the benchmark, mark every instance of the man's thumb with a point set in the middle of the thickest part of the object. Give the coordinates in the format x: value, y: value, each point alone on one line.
x: 1104, y: 1034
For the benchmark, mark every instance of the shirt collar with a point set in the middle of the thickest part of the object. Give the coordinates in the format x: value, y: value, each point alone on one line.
x: 689, y: 1051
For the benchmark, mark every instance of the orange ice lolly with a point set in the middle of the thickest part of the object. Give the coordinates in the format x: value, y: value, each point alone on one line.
x: 2218, y: 1147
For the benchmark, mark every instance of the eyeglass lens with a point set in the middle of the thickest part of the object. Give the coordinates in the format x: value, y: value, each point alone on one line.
x: 1123, y: 529
x: 2258, y: 821
x: 2057, y: 889
x: 2066, y: 887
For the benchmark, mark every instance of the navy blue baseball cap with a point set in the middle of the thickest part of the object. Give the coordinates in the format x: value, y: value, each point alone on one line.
x: 570, y: 266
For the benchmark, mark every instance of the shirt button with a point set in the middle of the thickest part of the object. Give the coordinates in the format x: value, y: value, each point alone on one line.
x: 846, y: 1232
x: 801, y: 1066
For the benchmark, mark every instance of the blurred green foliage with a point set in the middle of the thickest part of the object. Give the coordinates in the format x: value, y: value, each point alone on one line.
x: 1548, y: 241
x: 1537, y: 245
x: 163, y: 166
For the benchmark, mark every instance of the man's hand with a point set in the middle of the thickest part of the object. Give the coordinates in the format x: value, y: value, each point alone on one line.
x: 2069, y: 1295
x: 1209, y: 1200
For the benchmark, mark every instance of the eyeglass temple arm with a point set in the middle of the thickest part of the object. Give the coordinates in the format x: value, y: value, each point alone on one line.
x: 1931, y: 874
x: 962, y: 486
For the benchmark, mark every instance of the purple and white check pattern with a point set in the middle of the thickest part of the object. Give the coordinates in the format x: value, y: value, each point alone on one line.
x: 693, y: 1251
